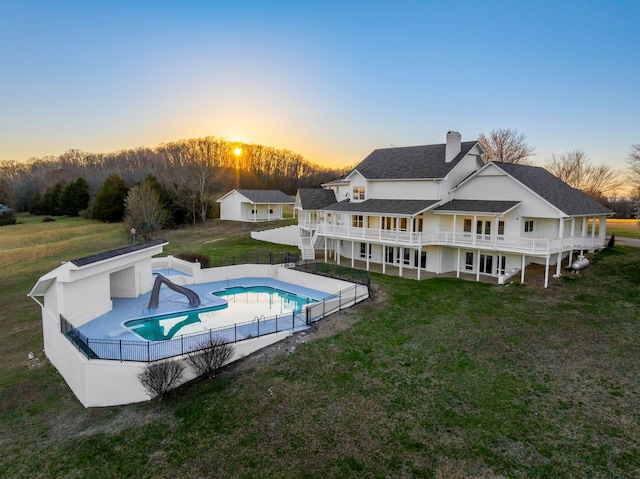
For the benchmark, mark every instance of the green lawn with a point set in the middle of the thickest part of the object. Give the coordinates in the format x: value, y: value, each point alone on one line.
x: 439, y: 379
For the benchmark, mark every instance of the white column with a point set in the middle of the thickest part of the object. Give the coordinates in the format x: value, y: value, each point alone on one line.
x: 478, y: 266
x: 367, y: 250
x: 453, y: 239
x: 474, y: 229
x: 559, y: 263
x: 338, y: 245
x: 325, y: 249
x: 522, y: 270
x: 353, y: 260
x: 384, y: 258
x: 401, y: 262
x: 546, y: 273
x: 603, y: 229
x: 419, y: 260
x: 458, y: 267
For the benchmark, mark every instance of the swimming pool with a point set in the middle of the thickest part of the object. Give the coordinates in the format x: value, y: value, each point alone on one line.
x: 243, y: 304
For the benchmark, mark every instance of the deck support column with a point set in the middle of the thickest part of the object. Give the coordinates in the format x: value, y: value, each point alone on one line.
x: 522, y: 270
x: 546, y: 273
x: 419, y: 260
x: 401, y: 259
x: 384, y: 258
x: 559, y: 264
x: 478, y: 267
x: 338, y: 244
x: 325, y: 249
x: 353, y: 248
x: 367, y: 252
x: 458, y: 267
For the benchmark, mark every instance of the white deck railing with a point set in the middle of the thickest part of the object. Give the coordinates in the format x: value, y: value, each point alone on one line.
x: 498, y: 242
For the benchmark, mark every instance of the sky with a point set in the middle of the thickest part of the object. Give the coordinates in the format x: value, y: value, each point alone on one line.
x: 329, y: 80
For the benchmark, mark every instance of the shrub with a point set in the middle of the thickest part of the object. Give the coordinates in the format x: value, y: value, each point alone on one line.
x: 48, y: 219
x: 612, y: 241
x: 7, y: 216
x: 213, y: 354
x: 160, y: 378
x: 204, y: 260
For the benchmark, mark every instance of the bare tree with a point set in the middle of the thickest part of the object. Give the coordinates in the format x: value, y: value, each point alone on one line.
x: 633, y: 172
x: 506, y: 145
x: 144, y: 210
x: 210, y: 357
x: 160, y: 378
x: 575, y: 169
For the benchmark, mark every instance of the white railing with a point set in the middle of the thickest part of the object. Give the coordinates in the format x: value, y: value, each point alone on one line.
x: 497, y: 242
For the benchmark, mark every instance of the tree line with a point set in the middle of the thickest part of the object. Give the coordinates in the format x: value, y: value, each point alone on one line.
x: 193, y: 172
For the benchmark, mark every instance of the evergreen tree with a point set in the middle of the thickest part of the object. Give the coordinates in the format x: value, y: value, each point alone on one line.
x: 108, y: 204
x: 75, y: 197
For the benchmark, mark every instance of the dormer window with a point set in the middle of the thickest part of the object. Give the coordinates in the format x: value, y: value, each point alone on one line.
x: 358, y: 193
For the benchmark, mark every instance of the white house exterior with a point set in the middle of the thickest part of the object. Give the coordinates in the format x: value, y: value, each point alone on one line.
x: 442, y: 209
x: 253, y: 205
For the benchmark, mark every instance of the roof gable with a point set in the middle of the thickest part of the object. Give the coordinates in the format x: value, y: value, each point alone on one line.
x: 411, y: 162
x: 552, y: 189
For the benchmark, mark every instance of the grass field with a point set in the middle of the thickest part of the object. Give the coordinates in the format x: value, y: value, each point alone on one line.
x: 626, y: 228
x: 437, y: 379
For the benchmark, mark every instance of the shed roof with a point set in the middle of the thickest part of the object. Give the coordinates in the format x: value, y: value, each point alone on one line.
x: 266, y: 196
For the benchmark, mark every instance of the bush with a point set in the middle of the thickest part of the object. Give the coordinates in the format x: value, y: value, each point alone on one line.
x: 7, y: 216
x: 48, y: 219
x: 212, y: 356
x: 160, y: 378
x: 204, y: 260
x: 612, y: 241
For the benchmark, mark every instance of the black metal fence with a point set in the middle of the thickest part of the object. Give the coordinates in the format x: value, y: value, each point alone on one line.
x: 147, y: 351
x: 336, y: 271
x: 256, y: 257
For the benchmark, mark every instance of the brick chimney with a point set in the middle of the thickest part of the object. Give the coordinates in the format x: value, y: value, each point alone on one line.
x: 453, y: 146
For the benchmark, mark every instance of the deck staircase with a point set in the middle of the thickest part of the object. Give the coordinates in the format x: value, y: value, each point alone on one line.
x: 308, y: 251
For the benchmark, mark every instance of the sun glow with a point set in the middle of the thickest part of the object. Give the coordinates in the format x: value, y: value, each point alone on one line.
x: 237, y: 151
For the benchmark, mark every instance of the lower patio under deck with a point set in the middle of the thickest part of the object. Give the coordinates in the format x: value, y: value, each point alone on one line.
x: 407, y: 272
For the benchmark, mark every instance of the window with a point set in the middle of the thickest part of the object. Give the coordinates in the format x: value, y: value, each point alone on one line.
x: 501, y: 227
x: 417, y: 225
x: 270, y: 211
x: 357, y: 221
x: 528, y: 226
x: 468, y: 264
x: 358, y: 192
x: 363, y: 250
x: 487, y: 227
x: 403, y: 224
x: 388, y: 223
x: 467, y: 225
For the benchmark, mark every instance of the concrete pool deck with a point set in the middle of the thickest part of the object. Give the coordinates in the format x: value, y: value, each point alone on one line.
x: 111, y: 326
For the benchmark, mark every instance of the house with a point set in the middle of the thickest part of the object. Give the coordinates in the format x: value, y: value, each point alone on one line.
x: 253, y: 205
x: 442, y: 209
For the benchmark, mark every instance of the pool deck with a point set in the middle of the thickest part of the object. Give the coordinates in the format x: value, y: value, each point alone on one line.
x: 111, y: 325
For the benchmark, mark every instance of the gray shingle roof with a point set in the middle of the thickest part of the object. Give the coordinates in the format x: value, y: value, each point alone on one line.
x: 316, y: 198
x: 567, y: 199
x: 94, y: 258
x: 397, y: 207
x: 477, y: 206
x: 410, y: 162
x: 266, y: 196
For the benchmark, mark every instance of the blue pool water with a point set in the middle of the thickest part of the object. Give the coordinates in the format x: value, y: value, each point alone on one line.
x: 243, y: 303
